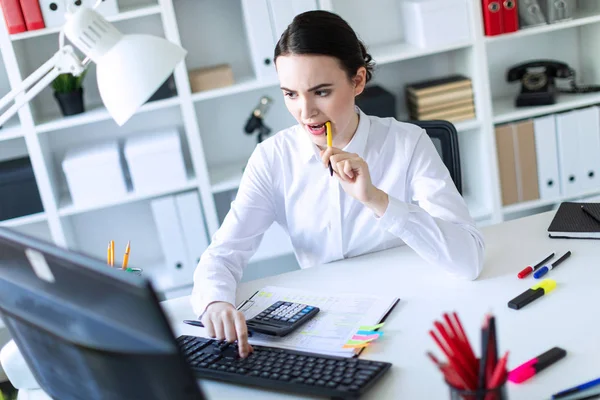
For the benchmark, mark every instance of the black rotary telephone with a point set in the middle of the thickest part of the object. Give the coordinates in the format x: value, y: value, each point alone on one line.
x: 538, y: 85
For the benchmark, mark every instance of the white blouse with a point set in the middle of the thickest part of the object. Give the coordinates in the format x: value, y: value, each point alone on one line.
x: 285, y: 182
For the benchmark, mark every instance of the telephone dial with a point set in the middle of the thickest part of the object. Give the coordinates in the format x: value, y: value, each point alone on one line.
x: 538, y: 82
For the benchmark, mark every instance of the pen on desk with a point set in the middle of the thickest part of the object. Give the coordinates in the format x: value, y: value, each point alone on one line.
x: 108, y: 255
x: 329, y: 142
x: 542, y: 271
x: 112, y: 253
x: 590, y: 213
x: 576, y: 389
x: 195, y: 322
x: 529, y: 269
x: 126, y: 256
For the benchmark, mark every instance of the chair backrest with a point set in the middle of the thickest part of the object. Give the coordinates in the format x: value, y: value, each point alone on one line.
x: 445, y: 138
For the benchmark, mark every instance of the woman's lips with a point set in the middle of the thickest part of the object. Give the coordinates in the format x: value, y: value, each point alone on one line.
x: 316, y: 129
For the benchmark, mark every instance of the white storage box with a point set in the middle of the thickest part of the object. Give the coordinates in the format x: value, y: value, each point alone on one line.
x: 155, y: 161
x: 432, y: 23
x: 94, y: 174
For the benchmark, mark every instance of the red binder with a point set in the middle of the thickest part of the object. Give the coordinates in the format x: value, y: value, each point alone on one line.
x: 32, y: 14
x: 510, y: 16
x: 13, y: 16
x: 492, y: 17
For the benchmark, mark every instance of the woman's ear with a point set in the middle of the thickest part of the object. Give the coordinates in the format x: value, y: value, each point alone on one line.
x: 360, y: 80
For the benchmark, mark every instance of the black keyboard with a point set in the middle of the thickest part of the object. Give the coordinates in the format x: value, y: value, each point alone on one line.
x: 279, y: 369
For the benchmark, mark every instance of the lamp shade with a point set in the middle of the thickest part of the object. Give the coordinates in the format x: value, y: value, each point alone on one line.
x: 131, y: 72
x: 130, y: 68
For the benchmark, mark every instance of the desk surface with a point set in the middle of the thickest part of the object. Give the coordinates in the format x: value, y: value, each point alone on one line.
x: 558, y: 319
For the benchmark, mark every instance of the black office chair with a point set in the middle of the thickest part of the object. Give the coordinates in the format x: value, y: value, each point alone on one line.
x: 445, y: 138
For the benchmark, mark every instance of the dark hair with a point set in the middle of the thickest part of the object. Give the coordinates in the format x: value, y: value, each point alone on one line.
x: 325, y: 33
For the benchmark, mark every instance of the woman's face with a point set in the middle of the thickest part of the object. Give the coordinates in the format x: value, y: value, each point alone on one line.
x: 316, y: 90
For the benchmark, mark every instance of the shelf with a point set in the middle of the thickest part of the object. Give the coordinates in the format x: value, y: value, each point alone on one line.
x: 98, y: 113
x: 581, y: 18
x: 11, y: 131
x: 66, y: 207
x: 505, y: 111
x: 243, y: 85
x: 530, y: 205
x: 25, y: 220
x: 382, y: 54
x: 226, y: 177
x: 389, y: 53
x: 125, y: 14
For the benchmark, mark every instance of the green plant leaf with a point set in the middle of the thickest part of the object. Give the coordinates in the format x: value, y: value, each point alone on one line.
x: 67, y: 83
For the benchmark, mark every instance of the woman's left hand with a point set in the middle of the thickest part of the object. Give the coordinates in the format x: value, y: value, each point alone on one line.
x: 353, y: 174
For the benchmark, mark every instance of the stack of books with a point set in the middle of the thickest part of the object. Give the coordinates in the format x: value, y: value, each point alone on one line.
x: 449, y: 98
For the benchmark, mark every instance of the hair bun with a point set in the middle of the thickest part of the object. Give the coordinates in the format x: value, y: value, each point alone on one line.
x: 368, y: 60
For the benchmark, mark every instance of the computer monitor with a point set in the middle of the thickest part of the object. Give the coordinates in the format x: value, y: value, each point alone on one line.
x: 88, y: 331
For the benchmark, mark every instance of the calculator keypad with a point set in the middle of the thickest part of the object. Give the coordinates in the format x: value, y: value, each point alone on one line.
x: 283, y: 312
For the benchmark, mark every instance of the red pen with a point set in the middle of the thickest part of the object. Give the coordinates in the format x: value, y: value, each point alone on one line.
x: 529, y: 269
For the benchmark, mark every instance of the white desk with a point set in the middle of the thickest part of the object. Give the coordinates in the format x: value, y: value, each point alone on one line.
x: 565, y: 318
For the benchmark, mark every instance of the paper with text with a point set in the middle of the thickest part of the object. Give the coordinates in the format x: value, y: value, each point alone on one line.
x: 339, y: 318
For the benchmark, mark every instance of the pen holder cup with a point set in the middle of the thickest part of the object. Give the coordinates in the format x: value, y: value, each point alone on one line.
x: 497, y: 393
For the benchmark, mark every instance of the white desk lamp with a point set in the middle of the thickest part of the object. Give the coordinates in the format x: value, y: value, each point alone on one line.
x: 130, y: 68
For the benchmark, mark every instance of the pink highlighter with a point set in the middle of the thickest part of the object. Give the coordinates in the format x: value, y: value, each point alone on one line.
x: 530, y: 368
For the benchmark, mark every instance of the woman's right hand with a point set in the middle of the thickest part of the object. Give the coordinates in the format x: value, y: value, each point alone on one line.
x: 224, y: 322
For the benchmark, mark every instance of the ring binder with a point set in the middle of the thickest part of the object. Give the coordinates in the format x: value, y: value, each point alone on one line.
x: 530, y: 13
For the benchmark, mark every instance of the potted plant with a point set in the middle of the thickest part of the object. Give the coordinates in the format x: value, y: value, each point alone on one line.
x: 69, y: 93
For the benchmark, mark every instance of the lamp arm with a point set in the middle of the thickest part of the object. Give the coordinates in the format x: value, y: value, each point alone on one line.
x: 63, y: 61
x: 41, y: 71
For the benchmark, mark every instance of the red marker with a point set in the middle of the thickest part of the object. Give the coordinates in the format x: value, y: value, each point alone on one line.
x: 529, y: 269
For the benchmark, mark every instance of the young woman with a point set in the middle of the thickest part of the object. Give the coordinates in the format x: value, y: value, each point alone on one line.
x: 389, y: 185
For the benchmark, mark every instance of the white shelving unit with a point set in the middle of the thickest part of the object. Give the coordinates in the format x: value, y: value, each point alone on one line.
x: 211, y: 122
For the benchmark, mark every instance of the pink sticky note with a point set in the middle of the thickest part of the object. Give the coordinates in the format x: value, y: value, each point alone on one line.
x: 365, y: 337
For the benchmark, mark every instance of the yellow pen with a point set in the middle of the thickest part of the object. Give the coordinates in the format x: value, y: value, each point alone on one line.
x: 329, y: 142
x: 108, y: 255
x: 112, y: 253
x: 126, y: 256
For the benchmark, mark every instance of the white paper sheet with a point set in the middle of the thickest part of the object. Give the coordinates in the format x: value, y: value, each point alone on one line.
x: 339, y: 318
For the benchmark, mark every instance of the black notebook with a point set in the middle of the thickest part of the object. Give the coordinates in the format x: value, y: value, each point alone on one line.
x: 571, y: 221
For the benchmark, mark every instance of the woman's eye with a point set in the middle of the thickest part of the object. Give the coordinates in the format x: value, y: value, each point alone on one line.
x: 322, y: 93
x: 289, y: 94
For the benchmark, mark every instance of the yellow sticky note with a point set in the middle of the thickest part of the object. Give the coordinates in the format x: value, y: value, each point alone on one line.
x: 355, y: 346
x: 358, y: 341
x: 370, y: 328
